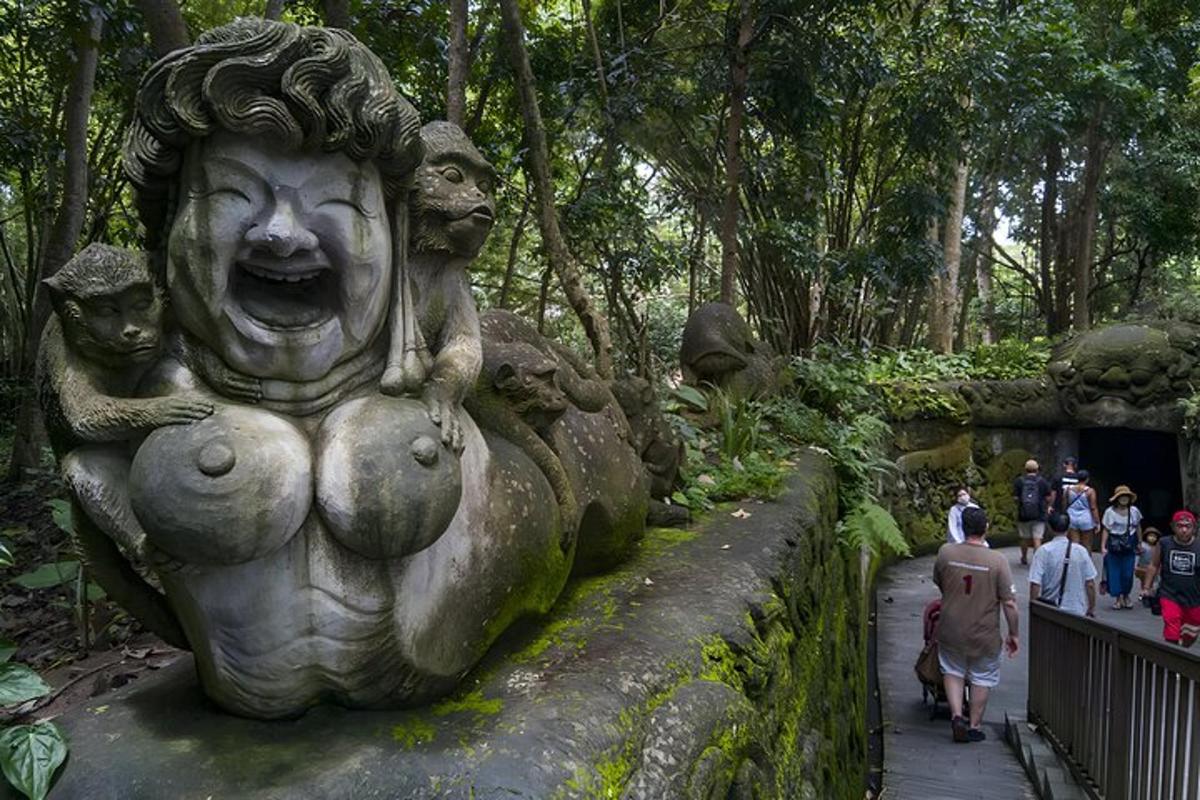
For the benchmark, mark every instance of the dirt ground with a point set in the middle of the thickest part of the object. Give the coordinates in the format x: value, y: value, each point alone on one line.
x: 44, y: 623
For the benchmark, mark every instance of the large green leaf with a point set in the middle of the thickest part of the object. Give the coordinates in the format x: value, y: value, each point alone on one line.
x: 30, y: 755
x: 7, y: 648
x: 692, y: 397
x: 60, y: 510
x: 49, y: 575
x: 19, y: 683
x: 6, y: 556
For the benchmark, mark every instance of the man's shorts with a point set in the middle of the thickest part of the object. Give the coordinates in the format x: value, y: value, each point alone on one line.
x: 983, y: 672
x: 1031, y: 530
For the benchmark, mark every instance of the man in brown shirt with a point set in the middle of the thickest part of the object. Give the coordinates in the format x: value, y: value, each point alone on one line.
x: 976, y: 586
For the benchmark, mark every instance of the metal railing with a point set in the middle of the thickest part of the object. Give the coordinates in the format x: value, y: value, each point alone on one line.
x: 1122, y: 710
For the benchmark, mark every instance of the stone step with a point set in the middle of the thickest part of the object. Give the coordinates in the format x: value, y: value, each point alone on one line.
x: 1051, y: 778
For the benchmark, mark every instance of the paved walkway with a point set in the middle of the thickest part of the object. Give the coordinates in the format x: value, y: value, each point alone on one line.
x: 920, y: 761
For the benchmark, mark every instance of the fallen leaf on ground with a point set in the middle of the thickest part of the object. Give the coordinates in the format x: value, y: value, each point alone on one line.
x: 741, y: 513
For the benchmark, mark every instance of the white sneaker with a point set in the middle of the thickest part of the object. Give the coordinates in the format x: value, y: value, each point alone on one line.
x: 1188, y: 634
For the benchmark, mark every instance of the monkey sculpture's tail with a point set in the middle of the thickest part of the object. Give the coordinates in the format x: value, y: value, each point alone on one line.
x: 408, y: 361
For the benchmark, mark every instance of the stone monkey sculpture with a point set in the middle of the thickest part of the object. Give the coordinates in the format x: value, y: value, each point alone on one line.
x: 518, y: 397
x: 106, y: 334
x: 452, y: 208
x: 575, y: 377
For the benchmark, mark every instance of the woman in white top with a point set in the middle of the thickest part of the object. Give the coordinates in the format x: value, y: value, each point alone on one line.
x: 1120, y: 538
x: 954, y: 529
x: 1080, y: 504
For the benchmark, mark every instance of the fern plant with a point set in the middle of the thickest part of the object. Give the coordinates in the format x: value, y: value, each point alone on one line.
x: 871, y: 526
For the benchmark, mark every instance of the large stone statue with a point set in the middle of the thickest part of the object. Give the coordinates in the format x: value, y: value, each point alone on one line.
x: 325, y: 519
x: 718, y: 349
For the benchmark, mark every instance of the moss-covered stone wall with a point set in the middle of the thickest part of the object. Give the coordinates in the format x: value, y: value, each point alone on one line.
x: 724, y: 662
x: 932, y: 460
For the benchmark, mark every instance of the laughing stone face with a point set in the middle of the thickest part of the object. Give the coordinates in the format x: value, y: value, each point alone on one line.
x: 279, y: 261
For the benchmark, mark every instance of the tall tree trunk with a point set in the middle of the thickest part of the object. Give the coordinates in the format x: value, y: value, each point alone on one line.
x: 337, y: 13
x: 164, y: 22
x: 64, y: 232
x: 537, y: 164
x: 514, y: 244
x: 1089, y: 208
x: 696, y: 260
x: 1048, y: 227
x: 983, y: 261
x: 460, y: 64
x: 597, y: 60
x: 273, y: 10
x: 946, y: 299
x: 543, y: 293
x: 739, y: 79
x: 970, y: 290
x: 1064, y: 246
x: 936, y: 310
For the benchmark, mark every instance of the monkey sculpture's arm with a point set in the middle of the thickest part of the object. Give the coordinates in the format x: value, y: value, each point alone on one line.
x: 86, y: 412
x: 215, y: 373
x: 458, y: 359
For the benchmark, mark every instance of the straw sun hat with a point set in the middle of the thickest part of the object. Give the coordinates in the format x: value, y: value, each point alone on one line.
x: 1123, y: 489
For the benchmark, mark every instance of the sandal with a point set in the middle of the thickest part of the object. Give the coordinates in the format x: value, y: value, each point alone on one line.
x: 1117, y: 604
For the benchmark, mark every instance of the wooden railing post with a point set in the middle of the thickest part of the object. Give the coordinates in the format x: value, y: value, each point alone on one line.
x: 1120, y: 694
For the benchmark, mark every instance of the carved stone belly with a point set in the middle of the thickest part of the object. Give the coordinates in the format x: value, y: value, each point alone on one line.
x: 386, y: 486
x: 226, y: 490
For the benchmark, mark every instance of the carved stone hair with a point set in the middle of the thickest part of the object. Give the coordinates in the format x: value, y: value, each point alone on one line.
x: 305, y: 88
x: 440, y: 137
x: 98, y: 269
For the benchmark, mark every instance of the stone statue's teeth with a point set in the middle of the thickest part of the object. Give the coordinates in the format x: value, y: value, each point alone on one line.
x: 281, y: 277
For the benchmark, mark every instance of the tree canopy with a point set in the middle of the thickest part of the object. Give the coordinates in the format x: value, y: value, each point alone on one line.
x: 870, y: 172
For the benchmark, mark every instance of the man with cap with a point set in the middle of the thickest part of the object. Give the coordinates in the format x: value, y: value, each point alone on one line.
x: 1034, y: 497
x: 1176, y: 561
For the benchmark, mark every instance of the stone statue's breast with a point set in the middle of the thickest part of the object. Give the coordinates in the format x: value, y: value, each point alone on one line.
x: 386, y: 486
x: 225, y: 490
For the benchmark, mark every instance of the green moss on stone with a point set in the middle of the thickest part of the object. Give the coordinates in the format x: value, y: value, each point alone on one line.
x: 412, y: 732
x: 473, y: 702
x: 996, y: 492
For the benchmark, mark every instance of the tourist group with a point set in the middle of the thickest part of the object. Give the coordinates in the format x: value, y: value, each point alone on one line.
x: 977, y: 587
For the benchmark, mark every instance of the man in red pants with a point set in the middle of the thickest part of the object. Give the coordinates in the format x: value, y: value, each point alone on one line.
x: 1177, y: 560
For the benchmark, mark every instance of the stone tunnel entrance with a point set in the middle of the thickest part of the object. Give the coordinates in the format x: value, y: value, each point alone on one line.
x: 1147, y: 461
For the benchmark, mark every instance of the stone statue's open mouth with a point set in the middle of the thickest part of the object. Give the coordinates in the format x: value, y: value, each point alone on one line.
x: 481, y: 214
x: 286, y: 293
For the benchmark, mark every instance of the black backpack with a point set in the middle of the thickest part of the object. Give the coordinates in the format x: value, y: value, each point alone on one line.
x: 1032, y: 502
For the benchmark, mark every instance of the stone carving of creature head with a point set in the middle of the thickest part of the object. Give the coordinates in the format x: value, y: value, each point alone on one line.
x: 264, y: 158
x: 1133, y: 364
x: 718, y: 348
x: 109, y: 308
x: 454, y: 196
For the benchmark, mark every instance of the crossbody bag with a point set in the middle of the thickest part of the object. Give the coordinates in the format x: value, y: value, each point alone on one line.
x: 1062, y: 583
